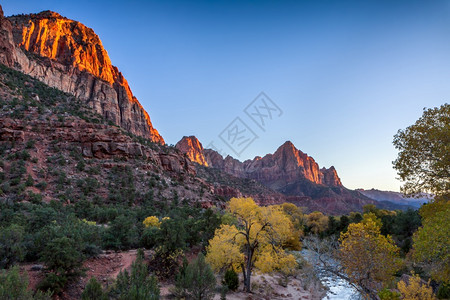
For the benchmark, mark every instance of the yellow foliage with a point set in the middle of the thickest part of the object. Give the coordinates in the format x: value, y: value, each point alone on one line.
x: 295, y: 213
x: 415, y: 289
x: 369, y: 219
x: 256, y: 241
x: 244, y: 209
x: 369, y: 258
x: 152, y: 221
x: 90, y: 223
x: 296, y: 216
x: 293, y: 241
x: 224, y: 249
x: 317, y: 221
x: 270, y: 258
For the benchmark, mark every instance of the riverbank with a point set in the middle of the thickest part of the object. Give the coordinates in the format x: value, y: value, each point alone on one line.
x: 337, y: 288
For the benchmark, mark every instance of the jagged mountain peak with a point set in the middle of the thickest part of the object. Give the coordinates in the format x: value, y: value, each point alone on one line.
x: 287, y: 144
x: 192, y: 147
x: 286, y: 165
x: 48, y: 14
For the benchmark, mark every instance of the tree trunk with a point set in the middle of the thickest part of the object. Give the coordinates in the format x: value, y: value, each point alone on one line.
x: 247, y: 279
x: 244, y: 274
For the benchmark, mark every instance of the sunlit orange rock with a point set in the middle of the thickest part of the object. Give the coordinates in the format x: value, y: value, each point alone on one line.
x: 69, y: 56
x: 192, y: 147
x: 285, y: 166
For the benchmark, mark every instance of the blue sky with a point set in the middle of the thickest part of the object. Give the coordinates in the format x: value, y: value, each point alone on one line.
x: 346, y: 74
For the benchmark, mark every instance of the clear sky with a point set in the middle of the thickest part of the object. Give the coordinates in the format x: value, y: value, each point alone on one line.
x: 346, y: 74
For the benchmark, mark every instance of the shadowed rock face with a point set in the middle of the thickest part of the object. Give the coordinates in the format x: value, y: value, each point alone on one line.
x: 69, y: 56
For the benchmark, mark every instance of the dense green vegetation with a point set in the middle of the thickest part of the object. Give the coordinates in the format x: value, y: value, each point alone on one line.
x: 61, y: 237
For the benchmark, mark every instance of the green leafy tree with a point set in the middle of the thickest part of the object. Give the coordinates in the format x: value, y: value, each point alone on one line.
x: 182, y: 282
x: 196, y: 281
x: 121, y: 234
x: 13, y: 286
x: 64, y: 261
x: 11, y: 245
x: 431, y: 241
x: 424, y: 158
x: 172, y: 235
x: 387, y: 294
x: 62, y: 257
x: 137, y: 285
x: 424, y: 164
x: 231, y: 279
x: 93, y: 291
x: 401, y: 226
x: 443, y: 291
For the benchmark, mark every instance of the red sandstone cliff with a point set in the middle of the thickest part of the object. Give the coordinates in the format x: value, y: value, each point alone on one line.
x: 69, y: 56
x: 285, y: 166
x: 290, y: 175
x: 192, y: 147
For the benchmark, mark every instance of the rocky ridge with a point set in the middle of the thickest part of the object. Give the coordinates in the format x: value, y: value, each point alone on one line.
x: 396, y: 197
x: 69, y: 56
x: 285, y: 166
x: 52, y: 146
x: 289, y: 175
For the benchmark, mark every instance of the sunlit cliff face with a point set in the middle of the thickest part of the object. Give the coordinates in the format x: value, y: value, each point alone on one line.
x: 193, y: 149
x: 69, y: 42
x: 289, y: 164
x: 76, y: 46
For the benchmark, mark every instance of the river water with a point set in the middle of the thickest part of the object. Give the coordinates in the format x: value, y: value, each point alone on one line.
x: 338, y: 289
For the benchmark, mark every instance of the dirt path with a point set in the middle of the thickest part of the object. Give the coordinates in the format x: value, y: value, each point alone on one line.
x: 105, y: 268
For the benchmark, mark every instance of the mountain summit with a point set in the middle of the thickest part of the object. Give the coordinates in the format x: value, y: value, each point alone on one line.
x: 290, y: 173
x: 287, y: 165
x: 69, y: 56
x: 192, y: 147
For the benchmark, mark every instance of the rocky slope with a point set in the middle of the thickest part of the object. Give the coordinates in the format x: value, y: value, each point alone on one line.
x: 69, y: 56
x: 289, y: 174
x: 54, y: 147
x: 286, y: 166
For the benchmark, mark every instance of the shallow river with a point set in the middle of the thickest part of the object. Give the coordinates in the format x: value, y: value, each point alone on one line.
x: 339, y: 289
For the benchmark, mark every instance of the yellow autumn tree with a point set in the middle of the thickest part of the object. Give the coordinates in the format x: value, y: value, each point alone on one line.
x: 369, y: 258
x: 152, y: 221
x: 317, y: 221
x: 295, y: 213
x: 415, y: 289
x: 254, y: 243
